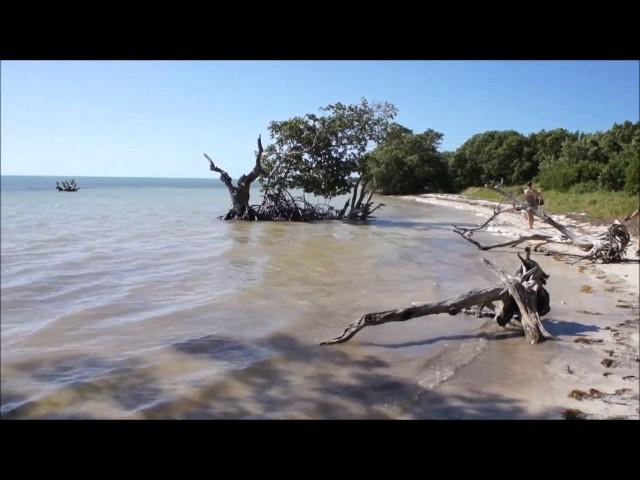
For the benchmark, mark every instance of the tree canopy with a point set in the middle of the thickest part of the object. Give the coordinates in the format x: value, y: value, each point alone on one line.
x: 492, y: 156
x: 319, y: 153
x: 601, y: 160
x: 407, y: 163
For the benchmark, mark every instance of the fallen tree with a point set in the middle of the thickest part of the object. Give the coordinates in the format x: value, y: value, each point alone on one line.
x: 608, y: 247
x: 522, y: 296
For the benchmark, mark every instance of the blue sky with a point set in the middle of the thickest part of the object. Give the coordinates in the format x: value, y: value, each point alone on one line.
x: 155, y: 119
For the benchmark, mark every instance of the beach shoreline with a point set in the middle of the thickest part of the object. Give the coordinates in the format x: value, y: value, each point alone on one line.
x: 589, y: 374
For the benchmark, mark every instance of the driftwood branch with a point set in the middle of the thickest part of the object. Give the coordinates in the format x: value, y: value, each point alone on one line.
x: 510, y: 243
x: 608, y: 247
x: 519, y: 205
x: 496, y: 212
x: 522, y: 293
x: 451, y: 306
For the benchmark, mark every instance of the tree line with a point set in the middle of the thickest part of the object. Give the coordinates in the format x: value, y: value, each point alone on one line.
x: 346, y: 147
x: 555, y: 159
x: 323, y: 152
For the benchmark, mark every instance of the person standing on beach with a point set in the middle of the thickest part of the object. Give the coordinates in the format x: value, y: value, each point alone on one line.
x: 534, y: 200
x: 630, y: 217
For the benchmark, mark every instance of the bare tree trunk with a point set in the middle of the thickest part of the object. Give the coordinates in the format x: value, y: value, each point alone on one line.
x: 240, y: 193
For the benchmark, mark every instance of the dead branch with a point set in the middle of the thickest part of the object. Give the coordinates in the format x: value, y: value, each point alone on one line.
x: 510, y: 243
x: 522, y: 293
x: 451, y: 306
x: 609, y: 247
x: 496, y: 212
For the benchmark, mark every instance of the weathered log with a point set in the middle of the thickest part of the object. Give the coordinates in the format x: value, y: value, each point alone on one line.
x: 510, y: 243
x: 522, y: 294
x: 451, y: 306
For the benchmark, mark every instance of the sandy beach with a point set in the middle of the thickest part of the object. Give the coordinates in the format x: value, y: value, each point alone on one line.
x: 591, y: 373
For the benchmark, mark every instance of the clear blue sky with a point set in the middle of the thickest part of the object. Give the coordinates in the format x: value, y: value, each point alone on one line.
x: 155, y: 119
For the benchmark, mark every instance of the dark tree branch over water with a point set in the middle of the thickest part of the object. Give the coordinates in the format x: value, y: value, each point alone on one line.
x: 240, y: 193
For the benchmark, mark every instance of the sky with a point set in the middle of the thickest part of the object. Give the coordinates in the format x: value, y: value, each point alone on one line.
x: 157, y: 118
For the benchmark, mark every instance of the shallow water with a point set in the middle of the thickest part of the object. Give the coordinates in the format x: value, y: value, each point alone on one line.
x: 131, y: 300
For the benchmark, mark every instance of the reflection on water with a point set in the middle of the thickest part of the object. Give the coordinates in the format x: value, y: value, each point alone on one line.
x: 140, y: 303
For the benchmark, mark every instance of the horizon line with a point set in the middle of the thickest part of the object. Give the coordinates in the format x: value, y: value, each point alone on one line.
x: 103, y: 176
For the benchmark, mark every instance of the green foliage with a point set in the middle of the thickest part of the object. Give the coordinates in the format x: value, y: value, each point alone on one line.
x: 558, y: 158
x: 613, y: 176
x: 408, y: 163
x: 563, y: 174
x: 632, y: 176
x: 558, y: 175
x: 547, y: 145
x: 602, y: 158
x: 319, y: 153
x: 464, y: 170
x: 492, y: 156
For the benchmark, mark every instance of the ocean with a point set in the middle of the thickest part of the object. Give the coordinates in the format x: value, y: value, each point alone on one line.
x: 130, y: 299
